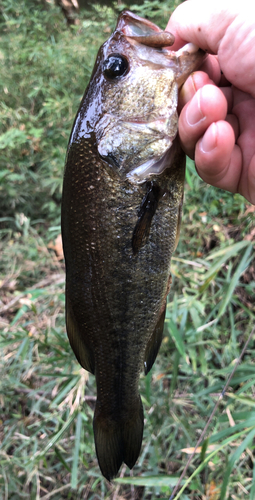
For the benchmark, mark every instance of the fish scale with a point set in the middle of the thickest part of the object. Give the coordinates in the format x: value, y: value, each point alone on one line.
x: 119, y: 233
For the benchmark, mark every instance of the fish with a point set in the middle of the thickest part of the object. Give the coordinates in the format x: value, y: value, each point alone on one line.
x: 121, y: 212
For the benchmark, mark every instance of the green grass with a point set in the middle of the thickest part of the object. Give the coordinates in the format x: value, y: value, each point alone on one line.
x: 46, y: 399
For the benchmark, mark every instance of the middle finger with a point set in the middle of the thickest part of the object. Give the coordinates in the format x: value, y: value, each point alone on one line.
x: 208, y: 105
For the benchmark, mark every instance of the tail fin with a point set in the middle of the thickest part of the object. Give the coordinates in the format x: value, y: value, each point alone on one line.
x: 132, y: 435
x: 118, y: 440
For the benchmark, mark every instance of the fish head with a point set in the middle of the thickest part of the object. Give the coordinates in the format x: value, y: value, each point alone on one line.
x: 133, y: 94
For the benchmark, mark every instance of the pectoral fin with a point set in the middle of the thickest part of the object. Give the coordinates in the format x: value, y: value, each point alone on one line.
x: 146, y: 212
x: 82, y: 351
x: 154, y: 343
x: 141, y: 232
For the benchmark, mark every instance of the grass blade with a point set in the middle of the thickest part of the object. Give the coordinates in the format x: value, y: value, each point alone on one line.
x: 57, y: 436
x: 176, y: 336
x: 235, y: 278
x: 156, y: 481
x: 232, y: 461
x: 74, y: 476
x: 209, y: 458
x: 252, y: 492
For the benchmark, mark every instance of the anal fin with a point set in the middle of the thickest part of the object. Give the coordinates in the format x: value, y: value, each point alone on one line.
x: 154, y: 343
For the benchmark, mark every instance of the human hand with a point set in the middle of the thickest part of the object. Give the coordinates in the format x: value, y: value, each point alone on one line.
x: 217, y: 111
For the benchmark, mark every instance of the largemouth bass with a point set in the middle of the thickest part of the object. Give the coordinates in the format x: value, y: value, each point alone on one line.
x: 121, y: 212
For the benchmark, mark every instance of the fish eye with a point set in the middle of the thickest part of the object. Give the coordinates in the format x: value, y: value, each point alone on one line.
x: 115, y: 66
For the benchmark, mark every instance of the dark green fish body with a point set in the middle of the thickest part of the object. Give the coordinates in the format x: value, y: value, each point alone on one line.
x: 121, y: 210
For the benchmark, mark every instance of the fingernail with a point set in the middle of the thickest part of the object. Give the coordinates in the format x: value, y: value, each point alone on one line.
x: 209, y: 141
x: 194, y: 114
